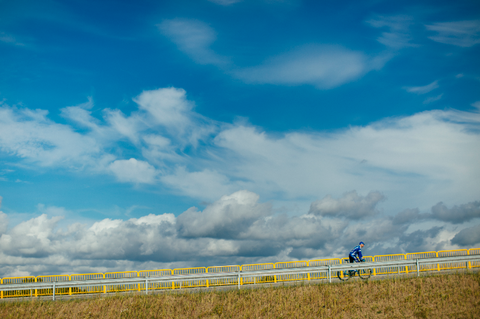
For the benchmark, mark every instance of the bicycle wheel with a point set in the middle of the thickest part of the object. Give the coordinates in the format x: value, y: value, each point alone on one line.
x: 343, y: 275
x: 365, y: 273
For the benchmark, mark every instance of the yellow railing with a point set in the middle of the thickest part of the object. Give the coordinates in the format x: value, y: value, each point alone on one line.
x: 232, y: 268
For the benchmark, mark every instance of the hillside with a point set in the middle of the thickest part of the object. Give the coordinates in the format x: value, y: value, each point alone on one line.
x: 440, y: 296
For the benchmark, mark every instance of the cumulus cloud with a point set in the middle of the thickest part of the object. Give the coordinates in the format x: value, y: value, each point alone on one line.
x: 227, y: 218
x: 456, y: 214
x: 435, y: 152
x: 163, y: 115
x: 467, y: 237
x: 458, y: 33
x: 414, y: 150
x: 407, y: 216
x: 236, y: 229
x: 351, y: 205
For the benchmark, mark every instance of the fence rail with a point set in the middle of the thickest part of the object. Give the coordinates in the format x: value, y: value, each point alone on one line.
x: 232, y: 275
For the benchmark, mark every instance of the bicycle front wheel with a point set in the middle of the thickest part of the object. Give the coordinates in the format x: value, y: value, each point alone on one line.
x: 365, y: 273
x: 343, y: 275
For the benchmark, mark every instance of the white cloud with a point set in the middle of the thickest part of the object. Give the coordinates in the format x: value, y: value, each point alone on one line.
x: 433, y: 99
x: 427, y: 157
x: 133, y: 171
x: 422, y: 89
x: 399, y: 30
x: 351, y: 205
x: 10, y: 39
x: 322, y: 66
x: 458, y: 33
x: 235, y: 229
x: 433, y: 151
x: 207, y: 184
x: 194, y: 38
x: 476, y: 104
x: 226, y: 218
x: 31, y: 135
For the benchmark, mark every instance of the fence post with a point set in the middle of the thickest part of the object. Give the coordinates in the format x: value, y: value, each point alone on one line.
x: 374, y: 269
x: 54, y: 291
x: 70, y: 288
x: 1, y: 292
x: 139, y: 284
x: 274, y: 276
x: 329, y: 273
x: 239, y: 279
x: 438, y: 265
x: 206, y: 271
x: 308, y: 265
x: 36, y: 292
x: 469, y: 265
x: 173, y: 282
x: 406, y: 267
x: 418, y: 269
x: 146, y: 286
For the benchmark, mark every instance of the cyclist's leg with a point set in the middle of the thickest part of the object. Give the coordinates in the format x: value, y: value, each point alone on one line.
x: 352, y: 260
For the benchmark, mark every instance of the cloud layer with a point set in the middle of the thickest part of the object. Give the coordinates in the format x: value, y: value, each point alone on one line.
x: 169, y: 144
x: 236, y: 229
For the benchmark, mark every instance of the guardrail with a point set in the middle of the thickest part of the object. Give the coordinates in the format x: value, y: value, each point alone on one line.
x: 236, y: 277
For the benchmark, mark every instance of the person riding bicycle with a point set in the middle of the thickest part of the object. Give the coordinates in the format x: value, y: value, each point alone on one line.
x: 356, y: 253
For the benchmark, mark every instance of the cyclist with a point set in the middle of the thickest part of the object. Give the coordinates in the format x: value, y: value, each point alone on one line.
x: 356, y: 254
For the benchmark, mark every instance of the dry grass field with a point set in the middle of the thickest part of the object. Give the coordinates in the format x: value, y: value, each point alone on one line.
x: 441, y: 296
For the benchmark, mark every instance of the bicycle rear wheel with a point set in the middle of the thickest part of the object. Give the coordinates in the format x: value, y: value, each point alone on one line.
x: 343, y: 275
x: 365, y: 273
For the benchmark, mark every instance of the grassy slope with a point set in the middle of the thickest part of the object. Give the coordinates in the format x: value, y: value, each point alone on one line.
x: 443, y: 296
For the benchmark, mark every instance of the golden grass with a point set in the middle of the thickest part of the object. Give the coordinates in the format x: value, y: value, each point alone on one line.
x: 442, y: 296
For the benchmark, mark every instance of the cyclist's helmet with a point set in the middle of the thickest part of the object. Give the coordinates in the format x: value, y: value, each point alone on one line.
x: 362, y: 243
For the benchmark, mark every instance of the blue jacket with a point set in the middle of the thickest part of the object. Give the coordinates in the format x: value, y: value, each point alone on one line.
x: 357, y: 251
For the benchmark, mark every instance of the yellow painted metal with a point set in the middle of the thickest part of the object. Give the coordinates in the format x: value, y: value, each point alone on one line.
x: 474, y: 251
x: 291, y: 264
x: 252, y: 267
x: 52, y: 278
x: 448, y: 253
x: 420, y: 255
x: 322, y: 262
x: 121, y: 288
x: 87, y: 289
x: 389, y: 270
x: 257, y: 280
x: 220, y: 269
x: 18, y: 280
x: 190, y: 283
x: 155, y: 273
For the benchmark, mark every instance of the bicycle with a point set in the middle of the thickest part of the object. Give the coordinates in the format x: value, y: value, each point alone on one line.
x: 347, y: 274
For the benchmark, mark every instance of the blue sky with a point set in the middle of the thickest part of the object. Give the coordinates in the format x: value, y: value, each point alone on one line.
x: 216, y: 125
